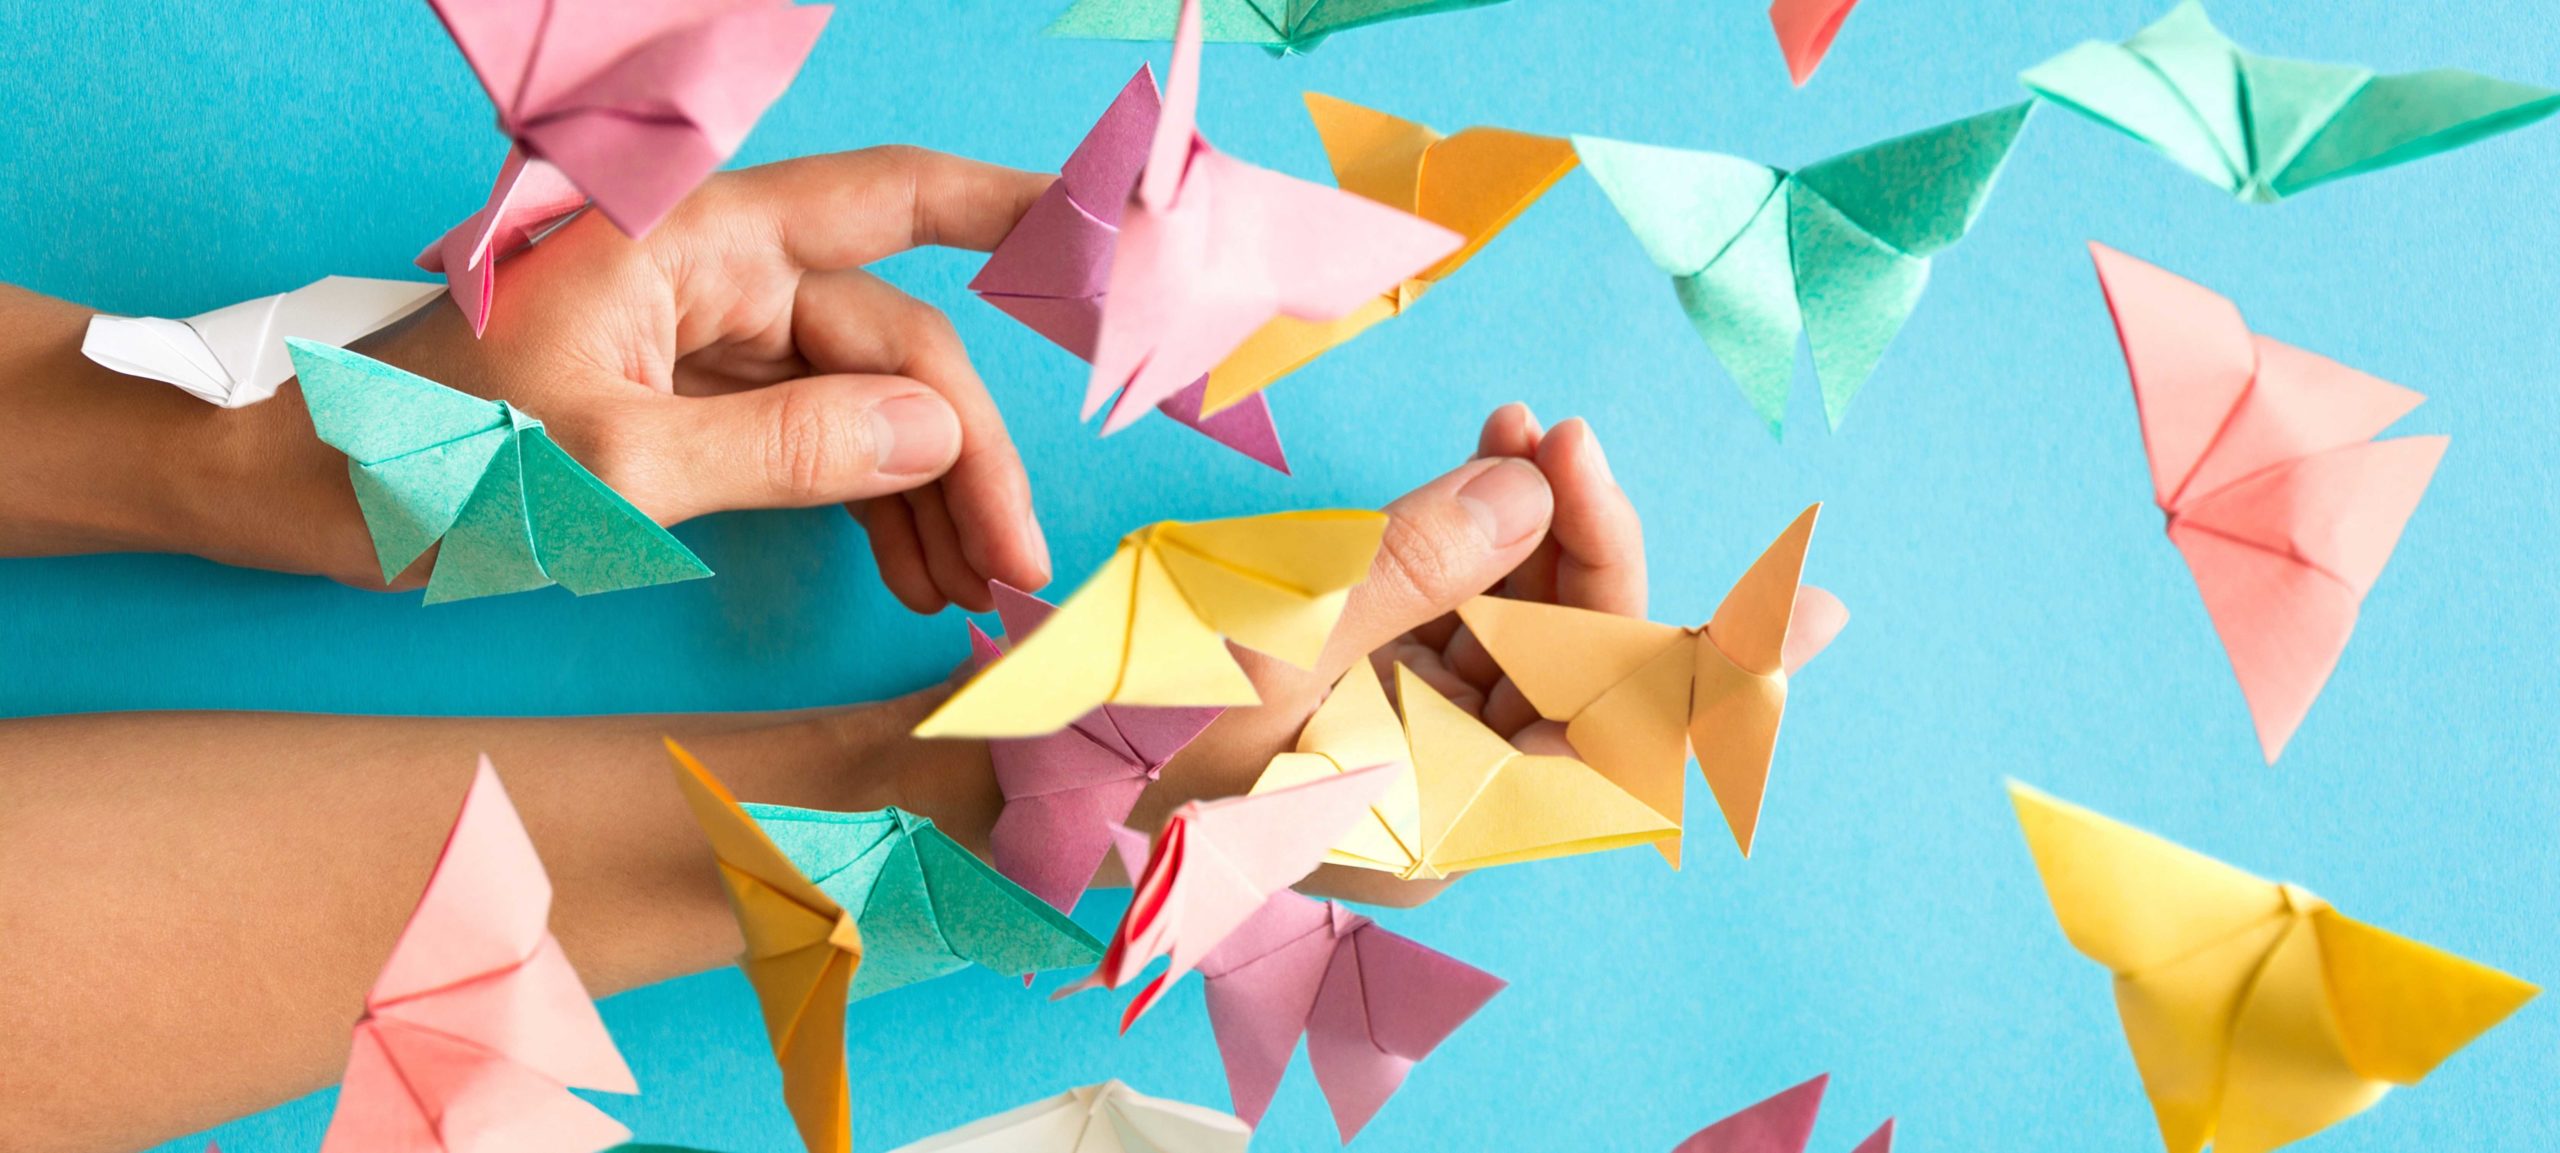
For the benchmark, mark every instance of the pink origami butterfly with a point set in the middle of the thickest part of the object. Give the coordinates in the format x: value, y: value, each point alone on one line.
x: 1212, y: 248
x: 1051, y: 270
x: 1805, y: 30
x: 1371, y: 1005
x: 531, y: 198
x: 1781, y: 1124
x: 1214, y: 866
x: 1064, y: 792
x: 2264, y: 458
x: 477, y: 1027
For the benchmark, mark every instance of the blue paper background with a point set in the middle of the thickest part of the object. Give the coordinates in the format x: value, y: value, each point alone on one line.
x: 2018, y: 611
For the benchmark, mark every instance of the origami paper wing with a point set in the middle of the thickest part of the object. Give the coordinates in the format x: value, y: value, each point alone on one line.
x: 1280, y: 26
x: 530, y: 200
x: 1371, y: 1005
x: 234, y: 356
x: 1838, y: 252
x: 1638, y: 698
x: 1474, y: 184
x: 1781, y: 1124
x: 1063, y: 792
x: 1147, y: 629
x: 2258, y: 1015
x: 1463, y: 797
x: 1212, y: 868
x: 512, y: 509
x: 2265, y: 127
x: 1051, y: 270
x: 1105, y: 1118
x: 478, y: 1027
x: 803, y: 951
x: 1211, y: 248
x: 2264, y: 459
x: 926, y: 907
x: 636, y: 104
x: 1805, y: 31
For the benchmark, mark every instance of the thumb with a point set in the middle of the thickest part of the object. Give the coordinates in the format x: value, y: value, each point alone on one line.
x: 1445, y: 542
x: 811, y: 441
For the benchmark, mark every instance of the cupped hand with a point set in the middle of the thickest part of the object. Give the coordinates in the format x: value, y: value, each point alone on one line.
x: 740, y: 357
x: 1535, y: 516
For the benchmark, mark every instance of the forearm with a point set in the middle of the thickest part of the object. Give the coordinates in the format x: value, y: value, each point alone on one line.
x: 201, y: 900
x: 99, y: 461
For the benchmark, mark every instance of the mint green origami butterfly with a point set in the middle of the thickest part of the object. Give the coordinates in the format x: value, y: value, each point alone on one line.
x: 925, y: 905
x: 1838, y: 252
x: 1281, y: 26
x: 513, y: 509
x: 2265, y: 128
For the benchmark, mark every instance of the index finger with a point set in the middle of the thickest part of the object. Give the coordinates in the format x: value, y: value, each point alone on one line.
x: 843, y: 210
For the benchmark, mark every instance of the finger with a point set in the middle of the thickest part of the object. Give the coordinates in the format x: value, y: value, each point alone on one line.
x: 843, y: 210
x: 1512, y: 430
x: 1545, y: 739
x: 1819, y: 617
x: 953, y: 576
x: 801, y: 443
x: 1444, y: 542
x: 1425, y: 662
x: 1599, y: 539
x: 854, y: 321
x: 1506, y: 711
x: 897, y: 552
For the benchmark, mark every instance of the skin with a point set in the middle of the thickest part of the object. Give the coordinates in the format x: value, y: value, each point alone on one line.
x: 220, y: 889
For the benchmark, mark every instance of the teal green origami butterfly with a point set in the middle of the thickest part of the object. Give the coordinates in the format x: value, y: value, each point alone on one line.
x: 925, y: 905
x: 1282, y: 26
x: 1838, y: 252
x: 2265, y: 128
x: 513, y: 509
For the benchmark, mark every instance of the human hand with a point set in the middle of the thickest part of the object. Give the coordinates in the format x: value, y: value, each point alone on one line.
x: 1536, y: 515
x: 736, y: 357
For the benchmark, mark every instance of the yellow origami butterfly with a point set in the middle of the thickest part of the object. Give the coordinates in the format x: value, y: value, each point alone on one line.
x: 1473, y: 183
x: 2258, y: 1015
x: 802, y: 952
x: 1638, y: 697
x: 1469, y: 800
x: 1151, y: 627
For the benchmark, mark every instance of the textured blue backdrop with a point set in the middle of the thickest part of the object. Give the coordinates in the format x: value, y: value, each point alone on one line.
x: 2018, y: 611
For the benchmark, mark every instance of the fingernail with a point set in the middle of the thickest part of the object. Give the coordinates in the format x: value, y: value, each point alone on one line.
x: 1508, y: 501
x: 914, y: 435
x: 1594, y: 459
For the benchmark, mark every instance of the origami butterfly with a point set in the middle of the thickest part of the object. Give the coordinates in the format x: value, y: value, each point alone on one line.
x: 2264, y: 127
x: 635, y: 103
x: 1050, y: 271
x: 2258, y: 1015
x: 1474, y: 183
x: 803, y: 950
x: 2279, y: 498
x: 235, y: 356
x: 1781, y: 1124
x: 1280, y: 26
x: 531, y: 199
x: 478, y: 1027
x: 1151, y: 627
x: 512, y: 509
x: 1105, y: 1118
x: 1371, y: 1005
x: 1805, y: 31
x: 1211, y: 248
x: 1463, y: 797
x: 1838, y: 252
x: 1212, y: 867
x: 925, y: 906
x: 1064, y: 791
x: 1638, y: 698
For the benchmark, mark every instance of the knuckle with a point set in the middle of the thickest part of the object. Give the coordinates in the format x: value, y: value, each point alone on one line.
x: 811, y: 448
x: 1425, y: 559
